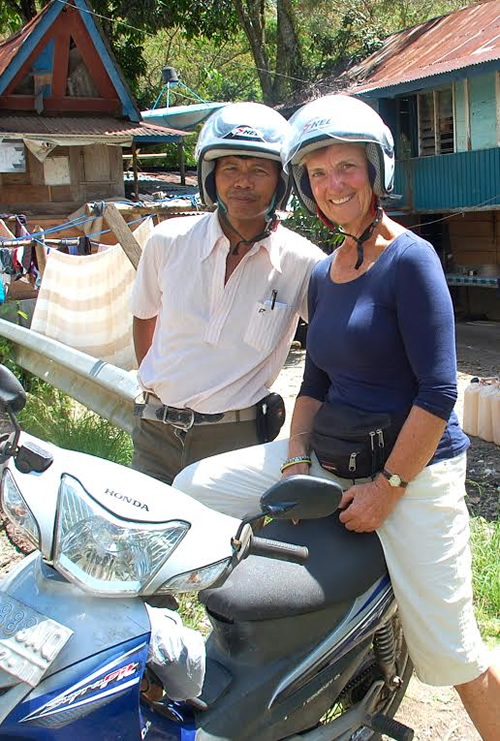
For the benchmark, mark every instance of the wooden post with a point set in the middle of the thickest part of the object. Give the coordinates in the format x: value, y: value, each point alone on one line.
x: 120, y: 228
x: 41, y: 254
x: 182, y: 161
x: 134, y: 168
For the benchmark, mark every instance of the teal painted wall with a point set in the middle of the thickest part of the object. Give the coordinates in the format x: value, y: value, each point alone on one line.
x: 449, y: 181
x: 483, y: 116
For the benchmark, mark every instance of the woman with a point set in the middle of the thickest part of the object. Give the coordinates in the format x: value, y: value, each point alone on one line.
x: 376, y: 402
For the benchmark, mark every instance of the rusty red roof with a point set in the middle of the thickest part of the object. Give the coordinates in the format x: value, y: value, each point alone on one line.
x: 10, y: 47
x: 79, y: 126
x: 466, y: 37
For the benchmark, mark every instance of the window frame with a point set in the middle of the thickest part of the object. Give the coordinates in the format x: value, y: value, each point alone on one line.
x: 436, y: 120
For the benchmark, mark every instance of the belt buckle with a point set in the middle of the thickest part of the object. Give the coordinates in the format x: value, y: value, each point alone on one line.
x: 179, y: 423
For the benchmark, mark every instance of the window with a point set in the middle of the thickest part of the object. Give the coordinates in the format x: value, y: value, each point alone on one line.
x: 406, y: 143
x: 435, y: 123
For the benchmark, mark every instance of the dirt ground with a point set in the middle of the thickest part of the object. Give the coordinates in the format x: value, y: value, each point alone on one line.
x: 435, y: 714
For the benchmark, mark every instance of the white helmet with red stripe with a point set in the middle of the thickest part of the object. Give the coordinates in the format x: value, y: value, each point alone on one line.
x: 242, y: 129
x: 338, y: 119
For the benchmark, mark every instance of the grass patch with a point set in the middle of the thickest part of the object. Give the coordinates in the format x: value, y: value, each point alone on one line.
x: 485, y: 545
x: 193, y: 613
x: 55, y: 417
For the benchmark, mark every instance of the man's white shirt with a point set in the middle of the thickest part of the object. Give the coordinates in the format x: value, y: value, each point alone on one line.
x: 218, y: 347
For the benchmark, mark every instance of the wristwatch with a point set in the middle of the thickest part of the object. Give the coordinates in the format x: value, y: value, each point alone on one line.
x: 394, y: 479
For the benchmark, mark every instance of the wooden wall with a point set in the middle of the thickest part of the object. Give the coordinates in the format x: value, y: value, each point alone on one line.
x: 475, y: 238
x: 69, y: 177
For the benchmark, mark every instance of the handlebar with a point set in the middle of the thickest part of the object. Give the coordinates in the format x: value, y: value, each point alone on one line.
x: 277, y: 549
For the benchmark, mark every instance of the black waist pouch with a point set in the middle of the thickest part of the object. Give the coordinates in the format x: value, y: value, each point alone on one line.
x: 270, y: 417
x: 352, y: 443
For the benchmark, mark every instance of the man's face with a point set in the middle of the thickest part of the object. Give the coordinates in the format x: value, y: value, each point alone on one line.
x: 246, y: 185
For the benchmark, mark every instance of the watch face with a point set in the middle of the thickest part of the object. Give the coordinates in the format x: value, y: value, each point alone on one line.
x: 395, y: 480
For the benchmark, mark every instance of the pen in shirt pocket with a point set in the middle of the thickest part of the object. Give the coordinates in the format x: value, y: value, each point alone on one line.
x: 274, y: 295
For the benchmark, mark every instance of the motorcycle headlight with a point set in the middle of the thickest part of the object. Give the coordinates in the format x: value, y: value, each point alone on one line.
x: 105, y: 554
x: 193, y: 581
x: 17, y: 510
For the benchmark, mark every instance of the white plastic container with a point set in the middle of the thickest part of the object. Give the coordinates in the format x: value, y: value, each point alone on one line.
x: 471, y: 401
x: 495, y: 412
x: 485, y: 409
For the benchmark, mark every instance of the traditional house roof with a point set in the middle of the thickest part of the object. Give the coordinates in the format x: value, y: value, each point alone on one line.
x: 58, y: 77
x: 436, y: 51
x: 80, y: 129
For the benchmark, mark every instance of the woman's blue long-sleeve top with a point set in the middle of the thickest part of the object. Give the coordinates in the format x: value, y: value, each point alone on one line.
x: 386, y: 340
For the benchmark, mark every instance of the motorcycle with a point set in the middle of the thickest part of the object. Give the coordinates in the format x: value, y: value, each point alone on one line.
x: 304, y: 647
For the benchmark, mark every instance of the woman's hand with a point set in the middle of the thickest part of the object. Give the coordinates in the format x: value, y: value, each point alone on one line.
x: 295, y: 469
x: 366, y: 506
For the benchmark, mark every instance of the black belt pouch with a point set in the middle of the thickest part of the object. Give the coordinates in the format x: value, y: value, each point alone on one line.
x: 270, y: 417
x: 353, y: 443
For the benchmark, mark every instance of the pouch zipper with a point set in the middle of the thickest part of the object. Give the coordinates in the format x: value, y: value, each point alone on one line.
x: 352, y: 462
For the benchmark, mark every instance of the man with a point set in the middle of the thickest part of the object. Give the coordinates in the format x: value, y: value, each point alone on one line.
x: 217, y: 300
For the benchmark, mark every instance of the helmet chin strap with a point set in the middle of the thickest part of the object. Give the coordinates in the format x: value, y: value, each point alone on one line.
x: 359, y: 240
x: 272, y: 221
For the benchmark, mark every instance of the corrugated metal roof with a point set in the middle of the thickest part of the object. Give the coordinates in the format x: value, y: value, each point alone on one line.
x: 467, y: 37
x: 10, y: 47
x: 79, y: 126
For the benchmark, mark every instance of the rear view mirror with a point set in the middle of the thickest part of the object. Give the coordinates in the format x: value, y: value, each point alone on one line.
x: 12, y: 394
x: 301, y: 497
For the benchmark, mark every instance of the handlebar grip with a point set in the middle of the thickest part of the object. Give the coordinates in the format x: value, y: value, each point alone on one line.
x: 277, y: 549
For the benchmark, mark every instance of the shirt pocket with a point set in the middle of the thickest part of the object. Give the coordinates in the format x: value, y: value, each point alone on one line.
x: 267, y: 327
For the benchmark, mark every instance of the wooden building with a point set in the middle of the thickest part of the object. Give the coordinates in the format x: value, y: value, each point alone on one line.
x: 437, y: 86
x: 65, y: 115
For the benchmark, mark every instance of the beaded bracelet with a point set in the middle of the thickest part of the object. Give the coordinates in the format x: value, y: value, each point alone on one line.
x: 296, y: 459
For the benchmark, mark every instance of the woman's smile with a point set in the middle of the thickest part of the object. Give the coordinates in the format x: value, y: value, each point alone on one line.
x: 338, y: 175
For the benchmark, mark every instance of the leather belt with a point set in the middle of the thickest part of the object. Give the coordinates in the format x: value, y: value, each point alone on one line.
x: 184, y: 419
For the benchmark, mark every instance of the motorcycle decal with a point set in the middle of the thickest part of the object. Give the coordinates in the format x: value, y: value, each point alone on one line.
x: 99, y: 688
x: 126, y: 499
x: 383, y: 584
x: 145, y: 729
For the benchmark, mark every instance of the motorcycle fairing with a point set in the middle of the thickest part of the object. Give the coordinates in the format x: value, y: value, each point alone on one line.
x: 94, y: 689
x: 83, y: 699
x: 97, y: 623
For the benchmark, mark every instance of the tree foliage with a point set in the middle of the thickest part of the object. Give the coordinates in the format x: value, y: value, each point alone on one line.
x: 212, y: 69
x: 229, y: 45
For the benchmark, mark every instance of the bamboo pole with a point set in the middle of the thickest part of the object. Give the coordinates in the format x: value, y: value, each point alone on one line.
x: 41, y: 254
x: 149, y: 208
x: 122, y: 232
x: 135, y: 170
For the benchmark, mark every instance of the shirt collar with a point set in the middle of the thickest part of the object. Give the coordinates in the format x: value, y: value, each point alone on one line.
x: 272, y: 243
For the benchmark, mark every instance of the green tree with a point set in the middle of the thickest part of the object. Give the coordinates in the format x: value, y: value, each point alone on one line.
x: 219, y: 69
x: 282, y: 43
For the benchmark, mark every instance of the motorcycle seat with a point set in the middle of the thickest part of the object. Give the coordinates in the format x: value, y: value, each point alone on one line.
x: 341, y: 566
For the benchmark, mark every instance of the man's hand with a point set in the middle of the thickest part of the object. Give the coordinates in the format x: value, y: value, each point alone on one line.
x: 366, y: 506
